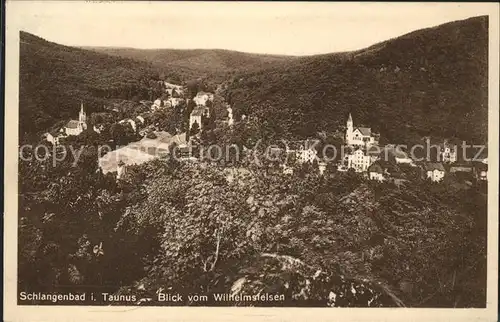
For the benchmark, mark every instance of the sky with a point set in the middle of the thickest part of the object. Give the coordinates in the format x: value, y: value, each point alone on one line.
x: 288, y: 28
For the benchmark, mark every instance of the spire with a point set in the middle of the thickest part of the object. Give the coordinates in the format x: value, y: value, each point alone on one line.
x: 350, y: 118
x: 82, y: 117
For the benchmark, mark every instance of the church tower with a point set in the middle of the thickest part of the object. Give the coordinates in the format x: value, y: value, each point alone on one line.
x: 349, y: 130
x: 82, y: 119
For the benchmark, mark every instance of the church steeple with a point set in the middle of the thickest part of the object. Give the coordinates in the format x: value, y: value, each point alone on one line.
x: 82, y: 118
x: 349, y: 129
x: 349, y: 121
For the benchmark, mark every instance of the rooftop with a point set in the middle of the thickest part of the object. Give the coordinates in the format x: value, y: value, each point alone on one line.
x: 198, y: 111
x: 365, y: 130
x: 434, y: 166
x: 375, y: 167
x: 73, y: 124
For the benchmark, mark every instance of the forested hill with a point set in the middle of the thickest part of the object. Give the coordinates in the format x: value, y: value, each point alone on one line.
x: 55, y: 79
x: 212, y: 63
x: 428, y: 82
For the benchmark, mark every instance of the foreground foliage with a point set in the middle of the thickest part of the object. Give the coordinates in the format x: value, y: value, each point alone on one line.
x: 320, y: 241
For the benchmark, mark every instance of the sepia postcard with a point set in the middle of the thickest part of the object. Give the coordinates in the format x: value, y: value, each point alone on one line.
x: 218, y: 161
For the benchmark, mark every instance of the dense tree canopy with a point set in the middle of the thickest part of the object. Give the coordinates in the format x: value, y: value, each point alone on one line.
x: 190, y: 230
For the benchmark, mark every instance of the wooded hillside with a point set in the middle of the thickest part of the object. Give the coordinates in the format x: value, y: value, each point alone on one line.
x: 429, y: 82
x: 55, y: 79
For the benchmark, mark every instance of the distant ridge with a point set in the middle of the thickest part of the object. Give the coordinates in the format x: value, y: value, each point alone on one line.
x: 428, y: 82
x: 432, y: 81
x: 205, y: 62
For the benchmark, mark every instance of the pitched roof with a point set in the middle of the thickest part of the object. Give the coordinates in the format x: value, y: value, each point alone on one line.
x: 375, y: 167
x: 198, y: 112
x: 434, y: 166
x: 73, y: 124
x: 366, y: 131
x: 481, y: 166
x: 461, y: 168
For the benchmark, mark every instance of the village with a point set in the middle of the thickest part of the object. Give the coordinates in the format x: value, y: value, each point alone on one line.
x: 362, y: 154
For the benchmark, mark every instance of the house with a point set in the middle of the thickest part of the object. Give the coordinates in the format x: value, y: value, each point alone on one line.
x: 447, y: 153
x: 359, y: 136
x: 121, y: 170
x: 342, y: 168
x: 481, y: 171
x: 358, y: 161
x: 54, y: 137
x: 361, y: 158
x: 202, y: 98
x: 174, y: 101
x: 321, y: 167
x: 170, y: 86
x: 73, y: 127
x: 157, y: 104
x: 464, y: 168
x: 376, y: 172
x: 76, y: 127
x: 395, y: 153
x: 131, y: 122
x: 434, y: 171
x: 197, y: 114
x: 98, y: 128
x: 304, y: 150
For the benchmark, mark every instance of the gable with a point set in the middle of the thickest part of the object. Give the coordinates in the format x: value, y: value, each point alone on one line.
x: 362, y: 131
x: 358, y: 132
x: 73, y: 124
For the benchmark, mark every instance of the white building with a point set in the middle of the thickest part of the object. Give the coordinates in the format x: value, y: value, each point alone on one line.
x: 321, y: 167
x: 173, y: 101
x: 157, y: 104
x: 131, y: 122
x: 98, y: 128
x: 55, y: 136
x: 376, y: 172
x: 391, y: 151
x: 361, y: 158
x: 74, y: 127
x: 447, y: 153
x: 304, y: 150
x: 202, y: 98
x: 359, y: 136
x: 170, y: 86
x: 197, y: 115
x: 434, y: 171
